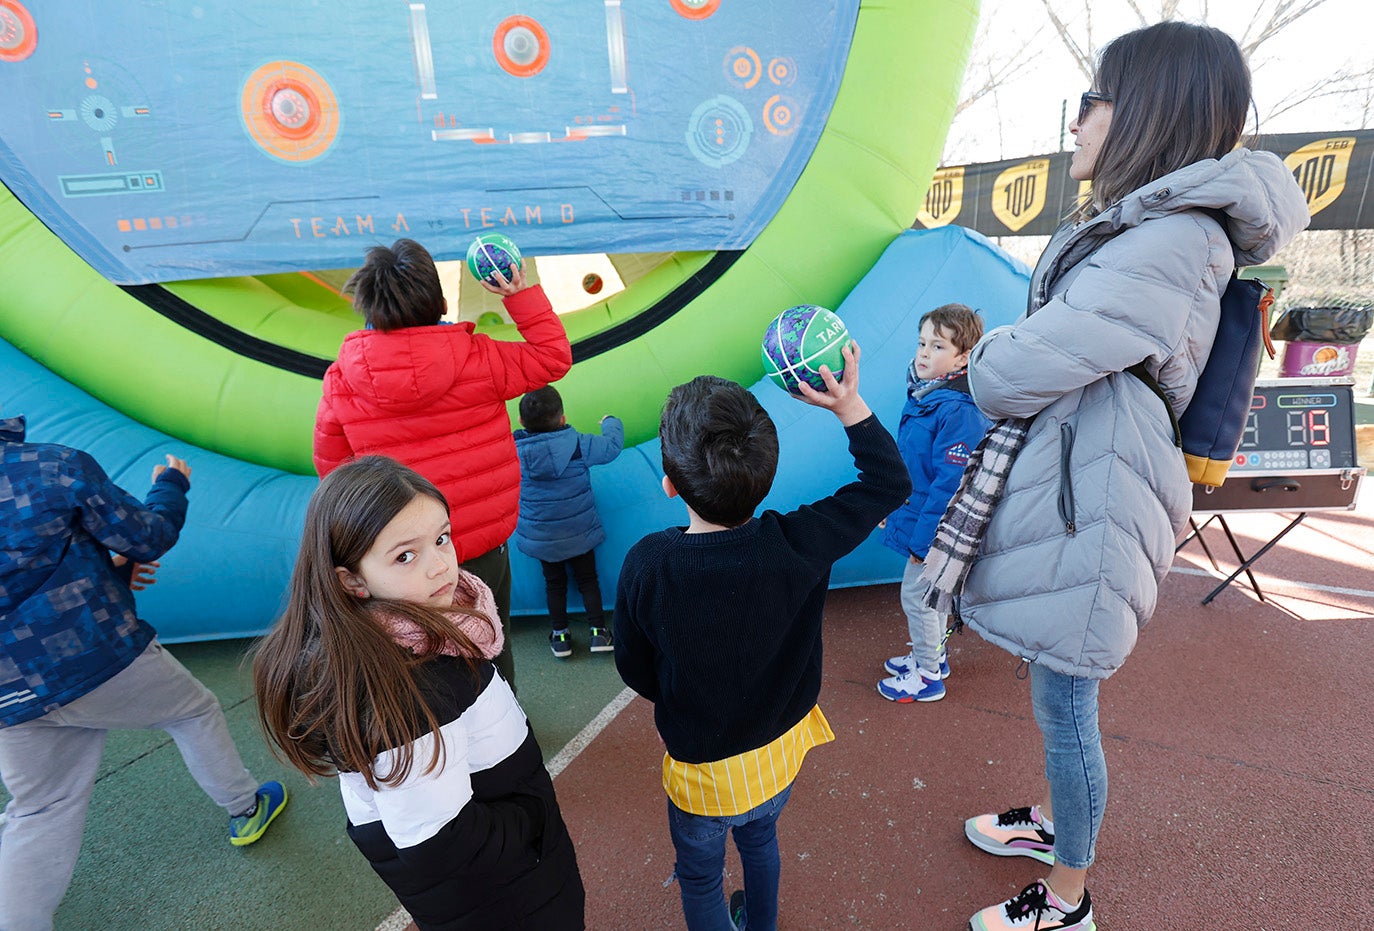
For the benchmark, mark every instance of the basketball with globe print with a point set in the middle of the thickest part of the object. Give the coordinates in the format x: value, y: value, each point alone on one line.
x: 799, y: 341
x: 492, y: 252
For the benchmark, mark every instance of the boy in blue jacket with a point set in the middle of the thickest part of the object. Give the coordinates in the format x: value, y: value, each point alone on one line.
x: 76, y: 661
x: 558, y: 523
x: 940, y: 426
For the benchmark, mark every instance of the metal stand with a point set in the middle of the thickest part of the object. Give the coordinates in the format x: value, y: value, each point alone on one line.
x: 1245, y: 562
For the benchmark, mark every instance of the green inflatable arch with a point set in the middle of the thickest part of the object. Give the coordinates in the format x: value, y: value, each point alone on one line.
x: 250, y: 391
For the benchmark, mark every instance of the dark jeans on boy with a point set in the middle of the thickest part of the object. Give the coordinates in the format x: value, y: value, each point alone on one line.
x: 493, y: 568
x: 556, y: 589
x: 700, y: 844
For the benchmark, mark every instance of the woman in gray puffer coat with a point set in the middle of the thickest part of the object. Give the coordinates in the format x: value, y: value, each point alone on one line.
x: 1083, y: 533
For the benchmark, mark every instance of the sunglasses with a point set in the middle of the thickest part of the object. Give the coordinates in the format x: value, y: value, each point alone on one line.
x: 1085, y: 103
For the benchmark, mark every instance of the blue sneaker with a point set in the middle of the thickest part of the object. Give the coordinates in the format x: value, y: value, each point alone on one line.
x: 912, y: 687
x: 901, y: 665
x: 560, y: 642
x: 245, y: 829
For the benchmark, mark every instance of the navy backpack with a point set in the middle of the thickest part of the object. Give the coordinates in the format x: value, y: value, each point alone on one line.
x: 1209, y: 430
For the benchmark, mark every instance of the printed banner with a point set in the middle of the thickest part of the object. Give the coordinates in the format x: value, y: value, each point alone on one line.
x: 1030, y: 196
x: 166, y: 140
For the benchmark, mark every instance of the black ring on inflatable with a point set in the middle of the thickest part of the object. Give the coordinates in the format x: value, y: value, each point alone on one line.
x: 185, y: 314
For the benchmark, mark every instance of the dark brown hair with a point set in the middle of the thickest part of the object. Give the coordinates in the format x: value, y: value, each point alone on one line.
x: 541, y: 409
x: 397, y: 287
x: 334, y: 689
x: 959, y: 323
x: 1180, y: 93
x: 720, y: 449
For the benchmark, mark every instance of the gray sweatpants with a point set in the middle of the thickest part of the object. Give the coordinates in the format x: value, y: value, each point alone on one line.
x: 49, y: 766
x: 923, y: 623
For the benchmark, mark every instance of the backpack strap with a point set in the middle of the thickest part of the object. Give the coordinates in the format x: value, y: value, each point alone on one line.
x: 1139, y: 371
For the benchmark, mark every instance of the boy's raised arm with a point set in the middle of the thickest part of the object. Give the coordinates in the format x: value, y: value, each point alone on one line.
x: 544, y: 357
x: 832, y: 526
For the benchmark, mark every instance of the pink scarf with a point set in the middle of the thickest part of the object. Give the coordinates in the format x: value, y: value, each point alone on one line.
x: 468, y: 592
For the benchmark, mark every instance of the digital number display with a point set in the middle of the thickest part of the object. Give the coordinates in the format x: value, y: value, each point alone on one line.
x: 1298, y: 427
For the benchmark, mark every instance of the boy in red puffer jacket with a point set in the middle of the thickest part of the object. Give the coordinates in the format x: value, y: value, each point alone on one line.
x: 433, y: 397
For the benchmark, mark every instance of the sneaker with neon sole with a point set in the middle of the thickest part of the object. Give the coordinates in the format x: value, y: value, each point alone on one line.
x: 912, y: 687
x: 1018, y: 832
x: 1036, y: 907
x: 247, y: 828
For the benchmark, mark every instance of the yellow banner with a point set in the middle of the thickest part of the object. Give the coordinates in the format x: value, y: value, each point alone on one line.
x: 1018, y: 194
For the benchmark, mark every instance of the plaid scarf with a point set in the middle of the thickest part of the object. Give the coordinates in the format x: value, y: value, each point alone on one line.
x: 917, y: 388
x: 960, y: 533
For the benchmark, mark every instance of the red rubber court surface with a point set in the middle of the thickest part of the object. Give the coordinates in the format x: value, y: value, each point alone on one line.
x: 1238, y: 750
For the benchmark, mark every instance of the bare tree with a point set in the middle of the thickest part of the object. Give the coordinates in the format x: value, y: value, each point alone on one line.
x: 1075, y: 29
x: 988, y: 69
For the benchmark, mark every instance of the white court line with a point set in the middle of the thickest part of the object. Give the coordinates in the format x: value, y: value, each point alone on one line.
x: 595, y: 726
x: 399, y: 919
x: 1333, y: 589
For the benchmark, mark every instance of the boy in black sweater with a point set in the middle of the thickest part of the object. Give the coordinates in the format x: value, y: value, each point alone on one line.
x: 719, y: 625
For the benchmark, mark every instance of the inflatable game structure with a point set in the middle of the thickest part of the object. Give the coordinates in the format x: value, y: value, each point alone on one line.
x: 177, y: 173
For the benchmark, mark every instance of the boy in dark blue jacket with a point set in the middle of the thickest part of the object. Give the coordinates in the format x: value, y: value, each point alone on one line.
x: 940, y: 426
x: 558, y: 523
x: 76, y: 661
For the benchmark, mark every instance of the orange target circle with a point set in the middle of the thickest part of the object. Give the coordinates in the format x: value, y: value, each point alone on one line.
x: 521, y: 46
x: 18, y: 32
x: 1325, y: 354
x: 290, y: 111
x: 743, y: 66
x: 778, y: 114
x: 782, y: 71
x: 695, y: 9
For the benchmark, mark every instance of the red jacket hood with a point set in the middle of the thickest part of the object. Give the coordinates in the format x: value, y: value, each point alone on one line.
x: 402, y: 370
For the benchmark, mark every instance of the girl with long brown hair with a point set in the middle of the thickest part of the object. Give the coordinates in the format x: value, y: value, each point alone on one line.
x: 379, y: 672
x: 1064, y: 527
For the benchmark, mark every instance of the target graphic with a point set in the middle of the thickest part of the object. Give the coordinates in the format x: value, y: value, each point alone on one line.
x: 782, y: 71
x: 290, y: 111
x: 521, y: 46
x: 695, y: 9
x: 18, y: 33
x: 719, y: 130
x: 779, y: 115
x: 743, y: 67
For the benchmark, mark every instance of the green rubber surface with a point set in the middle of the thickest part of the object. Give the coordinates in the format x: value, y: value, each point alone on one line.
x: 157, y: 857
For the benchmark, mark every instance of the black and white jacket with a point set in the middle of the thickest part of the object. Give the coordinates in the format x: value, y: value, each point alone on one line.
x: 478, y: 843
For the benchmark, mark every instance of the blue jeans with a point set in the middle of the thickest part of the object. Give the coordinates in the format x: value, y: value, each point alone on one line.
x: 1066, y: 710
x: 700, y: 844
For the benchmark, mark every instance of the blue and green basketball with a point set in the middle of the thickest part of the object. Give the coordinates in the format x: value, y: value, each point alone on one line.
x: 799, y: 341
x: 490, y: 253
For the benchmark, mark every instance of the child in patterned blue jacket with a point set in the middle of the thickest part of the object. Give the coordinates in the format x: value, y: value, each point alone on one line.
x: 558, y: 523
x: 940, y: 426
x: 76, y: 661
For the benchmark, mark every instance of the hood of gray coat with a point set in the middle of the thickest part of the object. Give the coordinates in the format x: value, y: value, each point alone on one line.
x: 546, y: 455
x: 1263, y: 205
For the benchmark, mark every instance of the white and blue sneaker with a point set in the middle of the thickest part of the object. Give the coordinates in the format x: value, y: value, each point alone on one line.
x: 901, y: 665
x: 912, y: 686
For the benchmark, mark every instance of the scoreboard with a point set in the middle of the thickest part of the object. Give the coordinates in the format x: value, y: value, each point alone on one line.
x: 1297, y: 452
x: 1309, y: 425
